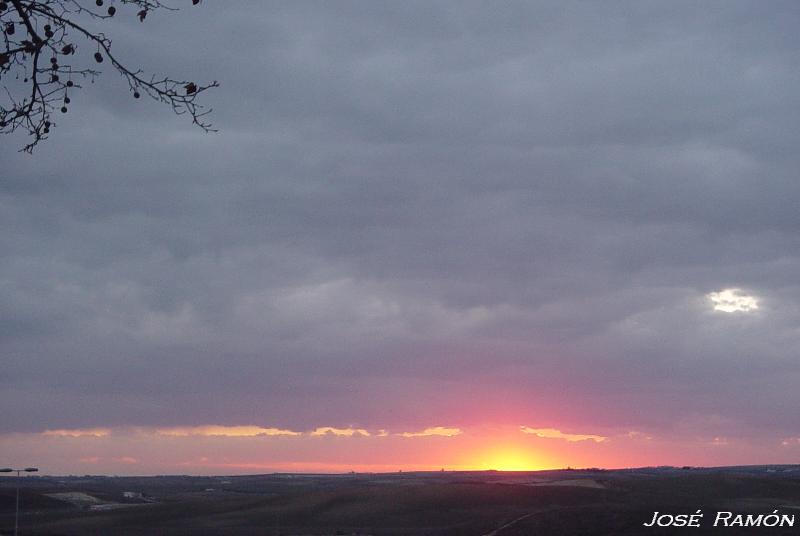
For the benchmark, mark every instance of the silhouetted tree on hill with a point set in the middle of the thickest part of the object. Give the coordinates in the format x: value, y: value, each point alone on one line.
x: 47, y: 50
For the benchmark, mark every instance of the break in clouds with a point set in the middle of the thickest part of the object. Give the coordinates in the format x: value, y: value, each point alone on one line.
x: 420, y: 215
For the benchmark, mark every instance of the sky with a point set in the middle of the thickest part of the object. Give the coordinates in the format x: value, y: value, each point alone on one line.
x: 461, y: 235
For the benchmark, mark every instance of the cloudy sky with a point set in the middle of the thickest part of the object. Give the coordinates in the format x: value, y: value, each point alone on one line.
x: 427, y: 234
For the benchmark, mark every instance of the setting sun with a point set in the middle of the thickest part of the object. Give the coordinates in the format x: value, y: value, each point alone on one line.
x: 511, y: 459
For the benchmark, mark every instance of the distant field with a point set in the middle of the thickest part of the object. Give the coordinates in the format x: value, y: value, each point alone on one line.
x: 435, y: 504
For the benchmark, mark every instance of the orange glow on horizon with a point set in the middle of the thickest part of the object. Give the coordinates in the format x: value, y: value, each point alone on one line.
x: 244, y: 449
x: 510, y: 458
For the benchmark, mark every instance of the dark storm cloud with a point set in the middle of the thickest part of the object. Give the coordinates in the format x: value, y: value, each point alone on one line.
x: 523, y: 203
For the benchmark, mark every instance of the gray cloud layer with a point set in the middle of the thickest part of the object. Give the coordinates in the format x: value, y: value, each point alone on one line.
x: 418, y: 214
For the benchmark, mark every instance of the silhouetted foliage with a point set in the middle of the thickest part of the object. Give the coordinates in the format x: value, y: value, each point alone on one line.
x: 47, y: 49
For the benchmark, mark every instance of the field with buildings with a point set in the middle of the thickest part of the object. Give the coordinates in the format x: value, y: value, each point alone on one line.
x: 443, y: 503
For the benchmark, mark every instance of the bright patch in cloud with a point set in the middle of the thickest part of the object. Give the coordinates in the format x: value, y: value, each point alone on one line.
x: 552, y: 433
x: 434, y: 431
x: 732, y: 300
x: 78, y: 432
x: 227, y: 431
x: 328, y: 430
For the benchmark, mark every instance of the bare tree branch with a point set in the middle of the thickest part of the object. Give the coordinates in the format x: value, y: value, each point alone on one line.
x: 33, y: 30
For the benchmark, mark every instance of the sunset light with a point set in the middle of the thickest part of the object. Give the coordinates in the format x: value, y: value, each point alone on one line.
x: 510, y: 458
